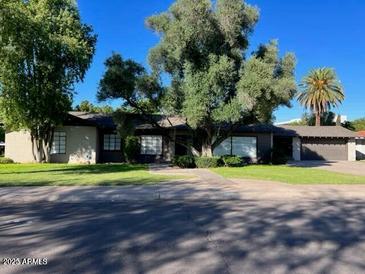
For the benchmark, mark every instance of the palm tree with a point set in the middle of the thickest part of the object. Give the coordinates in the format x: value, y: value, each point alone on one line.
x: 321, y: 90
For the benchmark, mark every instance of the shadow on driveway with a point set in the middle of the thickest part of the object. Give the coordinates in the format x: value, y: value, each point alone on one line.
x: 187, y: 237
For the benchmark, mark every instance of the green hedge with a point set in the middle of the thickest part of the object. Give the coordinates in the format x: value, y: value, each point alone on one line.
x: 4, y: 160
x: 208, y: 162
x: 232, y: 161
x: 131, y: 148
x: 184, y: 161
x: 279, y: 157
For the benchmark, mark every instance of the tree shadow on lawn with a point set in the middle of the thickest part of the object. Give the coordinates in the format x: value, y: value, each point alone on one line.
x: 82, y: 169
x: 197, y: 237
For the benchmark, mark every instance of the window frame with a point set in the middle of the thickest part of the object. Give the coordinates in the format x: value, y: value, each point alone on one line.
x: 54, y: 151
x: 143, y: 150
x: 115, y: 138
x: 230, y: 140
x: 256, y: 146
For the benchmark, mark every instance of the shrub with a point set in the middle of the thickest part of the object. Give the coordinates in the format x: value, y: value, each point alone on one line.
x: 207, y: 162
x: 279, y: 157
x: 232, y: 161
x: 131, y: 148
x: 185, y: 161
x: 4, y: 160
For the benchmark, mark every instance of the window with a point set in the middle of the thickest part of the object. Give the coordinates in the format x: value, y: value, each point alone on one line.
x: 223, y: 148
x: 111, y: 142
x: 239, y: 146
x: 244, y: 147
x: 59, y: 143
x: 151, y: 145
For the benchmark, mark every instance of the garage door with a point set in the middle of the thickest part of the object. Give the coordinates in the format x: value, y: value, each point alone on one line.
x: 324, y: 149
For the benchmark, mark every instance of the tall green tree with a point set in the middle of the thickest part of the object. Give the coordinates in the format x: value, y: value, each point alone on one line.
x: 87, y: 106
x: 127, y: 80
x: 359, y: 124
x: 321, y: 90
x: 214, y: 84
x: 44, y: 49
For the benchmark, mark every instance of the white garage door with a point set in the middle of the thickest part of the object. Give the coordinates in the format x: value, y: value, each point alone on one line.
x: 240, y: 146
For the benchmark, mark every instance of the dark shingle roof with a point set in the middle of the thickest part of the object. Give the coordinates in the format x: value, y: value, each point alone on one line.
x: 91, y: 119
x: 106, y: 121
x: 313, y: 131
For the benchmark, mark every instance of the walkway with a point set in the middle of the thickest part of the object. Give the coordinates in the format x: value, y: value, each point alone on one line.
x: 354, y: 168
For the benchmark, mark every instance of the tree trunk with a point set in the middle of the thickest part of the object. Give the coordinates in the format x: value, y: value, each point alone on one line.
x: 37, y: 149
x: 41, y: 144
x: 193, y: 151
x: 207, y: 149
x: 47, y: 152
x: 318, y: 119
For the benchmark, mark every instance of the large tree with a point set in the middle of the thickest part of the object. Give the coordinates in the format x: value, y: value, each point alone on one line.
x: 321, y: 90
x: 214, y: 84
x: 127, y: 80
x: 44, y: 49
x: 86, y: 106
x: 359, y: 124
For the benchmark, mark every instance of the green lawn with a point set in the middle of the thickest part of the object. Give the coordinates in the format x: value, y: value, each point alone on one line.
x: 80, y: 175
x: 291, y: 175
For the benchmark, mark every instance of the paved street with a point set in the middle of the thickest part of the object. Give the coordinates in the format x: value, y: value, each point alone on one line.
x: 206, y: 224
x: 238, y: 236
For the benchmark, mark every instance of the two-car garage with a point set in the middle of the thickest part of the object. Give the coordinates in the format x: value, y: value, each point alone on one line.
x: 324, y: 149
x: 325, y: 143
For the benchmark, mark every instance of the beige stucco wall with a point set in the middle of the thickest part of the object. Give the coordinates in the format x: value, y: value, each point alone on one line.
x: 351, y: 148
x: 81, y: 145
x: 18, y: 147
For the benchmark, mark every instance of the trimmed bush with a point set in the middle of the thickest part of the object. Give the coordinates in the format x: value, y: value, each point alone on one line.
x: 279, y: 157
x: 185, y: 161
x: 207, y: 162
x: 4, y: 160
x: 131, y: 148
x: 232, y: 161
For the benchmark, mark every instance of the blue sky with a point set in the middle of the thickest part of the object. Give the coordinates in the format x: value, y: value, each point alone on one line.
x: 321, y: 33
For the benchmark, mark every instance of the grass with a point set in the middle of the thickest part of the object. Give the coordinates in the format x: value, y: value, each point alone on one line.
x: 78, y: 175
x: 291, y: 175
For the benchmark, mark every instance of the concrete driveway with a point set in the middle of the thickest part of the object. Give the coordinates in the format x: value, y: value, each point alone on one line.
x: 354, y: 168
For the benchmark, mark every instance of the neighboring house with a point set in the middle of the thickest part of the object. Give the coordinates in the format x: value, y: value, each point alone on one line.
x: 92, y: 138
x: 360, y: 145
